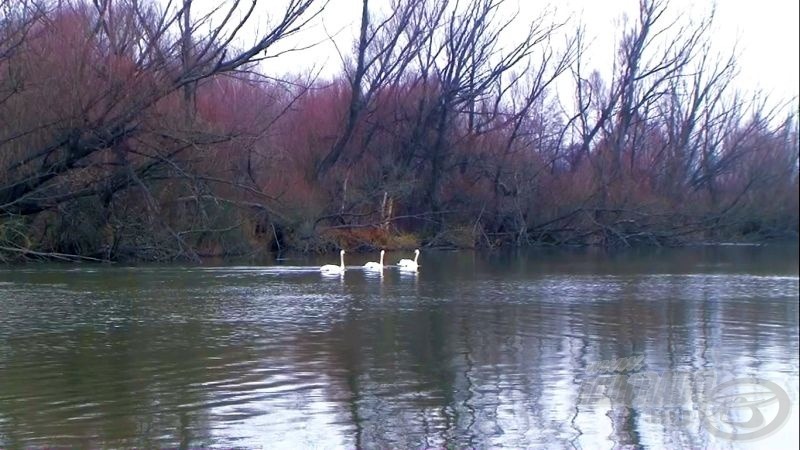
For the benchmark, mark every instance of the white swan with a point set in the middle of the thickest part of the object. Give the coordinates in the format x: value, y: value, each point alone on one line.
x: 409, y: 264
x: 377, y: 266
x: 334, y: 269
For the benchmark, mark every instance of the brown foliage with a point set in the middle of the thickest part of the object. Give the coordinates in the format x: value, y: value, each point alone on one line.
x: 116, y: 142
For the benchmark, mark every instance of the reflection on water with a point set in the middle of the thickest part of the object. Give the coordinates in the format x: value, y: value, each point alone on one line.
x: 477, y: 350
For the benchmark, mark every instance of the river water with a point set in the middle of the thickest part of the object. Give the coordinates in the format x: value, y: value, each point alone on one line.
x: 533, y: 349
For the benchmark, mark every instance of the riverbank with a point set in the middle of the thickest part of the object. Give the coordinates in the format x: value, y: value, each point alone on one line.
x: 244, y: 242
x: 190, y: 153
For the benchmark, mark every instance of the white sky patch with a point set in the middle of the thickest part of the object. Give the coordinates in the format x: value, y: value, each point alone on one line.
x: 765, y: 34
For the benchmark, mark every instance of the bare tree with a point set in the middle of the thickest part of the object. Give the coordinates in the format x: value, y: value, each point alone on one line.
x: 468, y: 64
x: 136, y: 56
x: 385, y: 50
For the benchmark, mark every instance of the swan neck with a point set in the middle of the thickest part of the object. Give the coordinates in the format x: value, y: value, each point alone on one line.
x: 341, y: 259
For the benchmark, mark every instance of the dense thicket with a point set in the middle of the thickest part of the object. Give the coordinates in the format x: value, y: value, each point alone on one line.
x: 133, y: 129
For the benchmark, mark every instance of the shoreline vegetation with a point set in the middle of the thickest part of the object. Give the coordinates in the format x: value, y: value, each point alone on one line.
x: 141, y: 131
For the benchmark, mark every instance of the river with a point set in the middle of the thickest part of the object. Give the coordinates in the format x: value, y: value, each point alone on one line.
x: 516, y: 349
